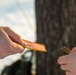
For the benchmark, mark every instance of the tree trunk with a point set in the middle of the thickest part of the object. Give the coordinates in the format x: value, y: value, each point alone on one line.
x: 56, y: 27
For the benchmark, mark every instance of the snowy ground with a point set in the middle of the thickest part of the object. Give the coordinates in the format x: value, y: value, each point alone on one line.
x: 20, y: 16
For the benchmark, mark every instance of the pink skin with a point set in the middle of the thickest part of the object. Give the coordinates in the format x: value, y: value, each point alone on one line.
x: 10, y: 42
x: 68, y: 62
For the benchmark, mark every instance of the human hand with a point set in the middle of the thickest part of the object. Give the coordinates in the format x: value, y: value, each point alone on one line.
x: 10, y: 42
x: 68, y: 62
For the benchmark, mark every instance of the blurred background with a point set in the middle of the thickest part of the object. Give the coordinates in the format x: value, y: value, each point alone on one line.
x: 51, y: 22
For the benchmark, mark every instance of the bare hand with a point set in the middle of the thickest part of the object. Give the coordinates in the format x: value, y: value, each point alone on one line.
x: 68, y: 62
x: 10, y: 42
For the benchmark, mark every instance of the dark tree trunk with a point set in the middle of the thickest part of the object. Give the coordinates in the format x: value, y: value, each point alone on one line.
x: 56, y: 27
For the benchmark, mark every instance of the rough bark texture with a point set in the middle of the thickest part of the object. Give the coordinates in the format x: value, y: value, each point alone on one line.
x: 56, y: 26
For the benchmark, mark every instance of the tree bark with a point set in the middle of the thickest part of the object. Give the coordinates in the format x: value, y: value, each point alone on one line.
x: 56, y: 27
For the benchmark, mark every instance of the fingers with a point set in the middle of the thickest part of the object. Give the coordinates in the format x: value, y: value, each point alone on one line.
x: 13, y: 49
x: 7, y: 46
x: 4, y: 36
x: 17, y: 48
x: 65, y: 67
x: 14, y: 36
x: 64, y: 59
x: 67, y: 62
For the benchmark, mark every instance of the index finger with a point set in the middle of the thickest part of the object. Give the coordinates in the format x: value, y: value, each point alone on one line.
x: 14, y: 36
x: 63, y: 59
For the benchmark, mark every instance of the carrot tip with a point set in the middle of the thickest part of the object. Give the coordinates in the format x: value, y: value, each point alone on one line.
x: 35, y: 46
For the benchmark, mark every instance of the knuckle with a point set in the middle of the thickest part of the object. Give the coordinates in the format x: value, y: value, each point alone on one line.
x: 19, y: 37
x: 7, y: 27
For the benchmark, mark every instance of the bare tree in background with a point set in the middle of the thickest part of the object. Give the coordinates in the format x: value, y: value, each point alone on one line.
x: 56, y: 27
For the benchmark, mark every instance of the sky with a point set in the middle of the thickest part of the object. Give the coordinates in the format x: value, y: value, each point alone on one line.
x: 12, y: 15
x: 20, y: 16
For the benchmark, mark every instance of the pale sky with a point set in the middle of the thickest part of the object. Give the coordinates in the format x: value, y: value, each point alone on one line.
x: 11, y: 14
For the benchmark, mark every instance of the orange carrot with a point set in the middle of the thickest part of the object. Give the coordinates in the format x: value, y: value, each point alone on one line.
x: 35, y: 46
